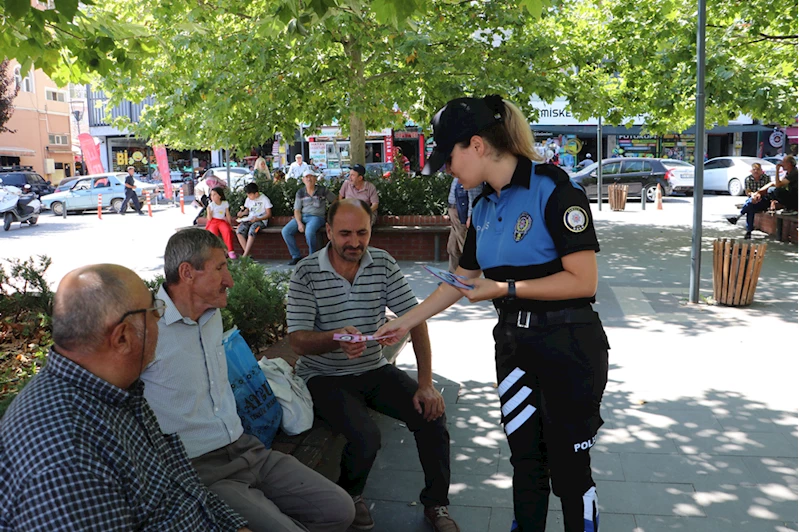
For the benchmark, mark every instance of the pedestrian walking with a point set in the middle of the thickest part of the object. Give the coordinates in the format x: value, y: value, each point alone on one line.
x: 130, y: 194
x: 533, y: 237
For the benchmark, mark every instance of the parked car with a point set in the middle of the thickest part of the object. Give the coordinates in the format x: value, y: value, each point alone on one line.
x: 85, y: 190
x: 728, y: 174
x: 21, y: 176
x: 680, y: 175
x: 238, y: 176
x: 333, y: 174
x: 773, y: 160
x: 641, y: 175
x: 65, y: 184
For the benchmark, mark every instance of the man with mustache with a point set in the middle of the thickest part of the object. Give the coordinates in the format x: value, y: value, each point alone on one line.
x: 345, y: 288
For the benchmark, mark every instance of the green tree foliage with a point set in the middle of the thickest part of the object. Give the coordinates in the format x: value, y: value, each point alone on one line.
x: 622, y: 58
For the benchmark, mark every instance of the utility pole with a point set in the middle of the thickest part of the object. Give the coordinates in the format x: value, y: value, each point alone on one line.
x: 699, y: 156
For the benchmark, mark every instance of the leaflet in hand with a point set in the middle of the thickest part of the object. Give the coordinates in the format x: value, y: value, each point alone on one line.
x: 356, y: 338
x: 449, y: 277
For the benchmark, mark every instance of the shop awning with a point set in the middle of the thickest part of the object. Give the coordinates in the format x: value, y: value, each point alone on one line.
x: 792, y: 132
x: 9, y: 151
x: 584, y: 131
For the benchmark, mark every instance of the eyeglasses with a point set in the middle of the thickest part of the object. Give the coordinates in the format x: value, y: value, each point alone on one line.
x: 159, y: 307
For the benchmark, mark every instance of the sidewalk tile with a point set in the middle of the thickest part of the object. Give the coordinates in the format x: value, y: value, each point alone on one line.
x: 390, y: 516
x: 683, y: 469
x: 620, y: 440
x: 697, y: 419
x: 647, y: 498
x: 765, y: 470
x: 652, y: 523
x: 769, y: 502
x: 501, y: 519
x: 468, y: 460
x: 712, y: 441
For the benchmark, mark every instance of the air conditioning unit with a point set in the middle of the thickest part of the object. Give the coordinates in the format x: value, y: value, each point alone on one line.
x: 49, y: 166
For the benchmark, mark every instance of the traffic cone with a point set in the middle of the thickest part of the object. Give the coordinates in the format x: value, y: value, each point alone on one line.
x: 182, y: 207
x: 659, y: 198
x: 100, y: 206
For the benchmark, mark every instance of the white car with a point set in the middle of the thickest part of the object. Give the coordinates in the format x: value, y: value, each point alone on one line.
x: 238, y: 176
x: 680, y: 175
x: 728, y: 174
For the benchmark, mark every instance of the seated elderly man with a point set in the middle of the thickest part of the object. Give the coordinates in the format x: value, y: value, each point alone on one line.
x: 357, y: 187
x: 80, y: 448
x: 188, y: 388
x: 782, y: 190
x: 310, y: 206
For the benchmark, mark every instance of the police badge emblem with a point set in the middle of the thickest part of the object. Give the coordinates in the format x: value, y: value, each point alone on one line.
x: 575, y: 219
x: 523, y: 224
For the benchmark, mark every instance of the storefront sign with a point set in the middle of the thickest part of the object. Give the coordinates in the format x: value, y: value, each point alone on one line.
x: 680, y: 147
x: 317, y: 151
x: 91, y: 154
x: 389, y: 141
x: 776, y: 139
x: 163, y: 169
x: 406, y: 134
x: 638, y: 145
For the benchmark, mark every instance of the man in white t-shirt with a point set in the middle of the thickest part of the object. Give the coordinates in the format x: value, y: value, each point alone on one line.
x: 252, y: 217
x: 298, y: 168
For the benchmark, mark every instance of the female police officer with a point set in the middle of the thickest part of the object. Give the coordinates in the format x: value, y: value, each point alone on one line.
x: 533, y: 238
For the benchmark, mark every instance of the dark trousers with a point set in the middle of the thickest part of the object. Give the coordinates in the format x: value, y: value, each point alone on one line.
x: 343, y: 403
x: 130, y: 196
x: 750, y: 208
x: 787, y: 198
x: 551, y: 380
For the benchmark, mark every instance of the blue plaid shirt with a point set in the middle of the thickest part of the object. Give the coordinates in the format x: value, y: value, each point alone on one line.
x: 78, y: 453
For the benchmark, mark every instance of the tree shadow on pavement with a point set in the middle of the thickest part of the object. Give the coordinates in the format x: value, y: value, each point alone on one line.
x: 719, y: 461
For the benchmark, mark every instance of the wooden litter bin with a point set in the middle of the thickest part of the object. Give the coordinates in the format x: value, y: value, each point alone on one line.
x: 736, y: 269
x: 617, y: 197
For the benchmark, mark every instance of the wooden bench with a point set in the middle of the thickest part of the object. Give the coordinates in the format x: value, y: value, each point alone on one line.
x: 783, y: 227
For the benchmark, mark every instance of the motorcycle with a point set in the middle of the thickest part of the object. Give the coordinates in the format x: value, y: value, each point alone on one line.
x: 18, y: 205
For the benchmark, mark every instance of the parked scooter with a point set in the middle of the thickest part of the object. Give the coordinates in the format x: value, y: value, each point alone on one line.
x: 18, y: 205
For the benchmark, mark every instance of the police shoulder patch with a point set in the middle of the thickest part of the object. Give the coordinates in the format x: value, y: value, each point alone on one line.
x: 575, y: 219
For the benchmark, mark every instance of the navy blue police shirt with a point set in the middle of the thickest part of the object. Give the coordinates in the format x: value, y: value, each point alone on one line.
x: 521, y: 234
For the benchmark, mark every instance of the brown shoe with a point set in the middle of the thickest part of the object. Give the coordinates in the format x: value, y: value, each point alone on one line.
x: 363, y: 520
x: 438, y: 516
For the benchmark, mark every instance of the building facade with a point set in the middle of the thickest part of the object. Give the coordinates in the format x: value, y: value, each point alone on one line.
x: 42, y: 133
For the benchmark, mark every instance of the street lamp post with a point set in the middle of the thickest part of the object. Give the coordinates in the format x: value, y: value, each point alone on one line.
x: 77, y: 111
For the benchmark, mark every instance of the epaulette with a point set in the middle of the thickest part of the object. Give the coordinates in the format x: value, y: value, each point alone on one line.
x: 554, y: 172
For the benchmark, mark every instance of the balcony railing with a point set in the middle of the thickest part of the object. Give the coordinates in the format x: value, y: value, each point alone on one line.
x: 99, y: 115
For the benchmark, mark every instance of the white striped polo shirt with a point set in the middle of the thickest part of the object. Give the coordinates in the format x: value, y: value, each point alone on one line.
x: 320, y: 299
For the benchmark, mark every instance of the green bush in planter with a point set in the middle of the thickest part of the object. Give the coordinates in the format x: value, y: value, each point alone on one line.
x: 256, y: 304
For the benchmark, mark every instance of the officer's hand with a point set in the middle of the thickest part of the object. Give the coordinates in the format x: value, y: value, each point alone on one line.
x: 350, y: 349
x: 483, y: 289
x: 394, y: 329
x: 428, y: 402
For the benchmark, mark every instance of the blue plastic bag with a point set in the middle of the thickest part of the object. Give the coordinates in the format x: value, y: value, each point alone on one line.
x: 257, y: 406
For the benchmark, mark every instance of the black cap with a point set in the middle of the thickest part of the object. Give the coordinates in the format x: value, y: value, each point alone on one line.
x: 458, y: 121
x: 360, y: 169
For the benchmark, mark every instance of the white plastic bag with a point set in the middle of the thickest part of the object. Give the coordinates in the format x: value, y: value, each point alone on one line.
x: 291, y: 393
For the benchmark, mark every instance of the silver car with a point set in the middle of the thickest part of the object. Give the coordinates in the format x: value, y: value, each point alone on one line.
x: 728, y: 174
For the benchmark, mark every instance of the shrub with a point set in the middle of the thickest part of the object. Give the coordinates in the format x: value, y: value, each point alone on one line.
x: 400, y: 194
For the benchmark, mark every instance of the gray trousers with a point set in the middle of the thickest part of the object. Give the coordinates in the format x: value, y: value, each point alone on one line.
x: 273, y: 491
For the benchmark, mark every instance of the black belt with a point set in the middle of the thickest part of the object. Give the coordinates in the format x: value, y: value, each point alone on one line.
x: 525, y: 319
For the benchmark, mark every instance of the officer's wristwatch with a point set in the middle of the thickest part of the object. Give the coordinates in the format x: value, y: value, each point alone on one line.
x: 511, y: 290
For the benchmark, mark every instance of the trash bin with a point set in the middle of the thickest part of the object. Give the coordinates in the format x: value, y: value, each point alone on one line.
x: 617, y: 197
x: 736, y: 269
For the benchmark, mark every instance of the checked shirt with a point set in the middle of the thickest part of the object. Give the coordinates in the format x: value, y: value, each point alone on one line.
x: 78, y: 453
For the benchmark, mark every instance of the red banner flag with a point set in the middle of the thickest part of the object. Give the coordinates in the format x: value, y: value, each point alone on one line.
x: 163, y: 169
x: 91, y: 154
x: 389, y: 145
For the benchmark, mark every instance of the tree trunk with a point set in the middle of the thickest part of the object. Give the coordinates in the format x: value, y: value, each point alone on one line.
x: 357, y: 126
x: 357, y: 140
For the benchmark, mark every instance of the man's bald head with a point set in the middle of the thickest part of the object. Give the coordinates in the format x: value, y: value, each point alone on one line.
x: 87, y: 302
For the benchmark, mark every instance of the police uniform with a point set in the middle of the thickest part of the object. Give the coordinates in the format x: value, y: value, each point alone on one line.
x: 551, y: 356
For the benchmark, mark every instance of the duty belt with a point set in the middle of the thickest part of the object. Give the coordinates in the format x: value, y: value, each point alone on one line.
x: 525, y: 319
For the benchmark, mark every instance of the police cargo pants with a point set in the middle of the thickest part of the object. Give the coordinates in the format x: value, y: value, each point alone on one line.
x: 550, y: 381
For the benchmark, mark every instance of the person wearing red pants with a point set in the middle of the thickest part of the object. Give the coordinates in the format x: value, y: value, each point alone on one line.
x: 219, y: 219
